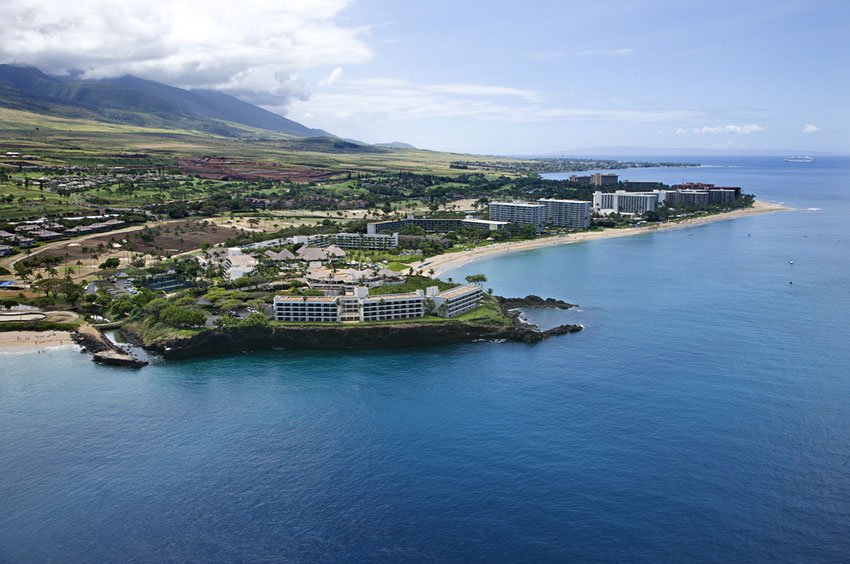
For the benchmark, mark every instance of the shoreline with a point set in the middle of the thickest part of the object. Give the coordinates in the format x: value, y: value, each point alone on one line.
x: 450, y: 261
x: 28, y: 342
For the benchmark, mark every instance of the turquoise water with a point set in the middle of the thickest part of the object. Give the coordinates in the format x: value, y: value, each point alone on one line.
x: 702, y: 415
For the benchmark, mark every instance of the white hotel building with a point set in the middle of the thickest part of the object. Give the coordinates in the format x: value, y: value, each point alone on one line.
x: 574, y: 214
x: 625, y: 202
x: 455, y: 301
x: 566, y: 213
x: 311, y: 309
x: 519, y: 213
x: 360, y: 306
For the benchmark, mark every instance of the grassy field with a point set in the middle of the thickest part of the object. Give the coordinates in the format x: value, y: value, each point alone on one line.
x: 412, y: 284
x: 87, y: 142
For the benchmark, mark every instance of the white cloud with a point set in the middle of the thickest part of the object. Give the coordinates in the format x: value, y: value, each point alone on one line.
x: 811, y: 128
x: 483, y: 90
x: 680, y: 131
x: 735, y: 129
x: 253, y: 49
x: 612, y: 52
x: 334, y: 76
x: 392, y: 99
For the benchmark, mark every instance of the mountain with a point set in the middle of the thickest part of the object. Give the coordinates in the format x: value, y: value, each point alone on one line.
x: 136, y: 101
x: 394, y: 145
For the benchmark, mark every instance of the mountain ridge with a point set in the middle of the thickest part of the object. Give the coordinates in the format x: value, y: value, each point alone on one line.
x: 137, y: 101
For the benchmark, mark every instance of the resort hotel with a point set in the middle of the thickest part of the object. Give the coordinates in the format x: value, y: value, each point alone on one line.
x: 638, y: 203
x: 573, y: 214
x: 358, y: 306
x: 433, y: 225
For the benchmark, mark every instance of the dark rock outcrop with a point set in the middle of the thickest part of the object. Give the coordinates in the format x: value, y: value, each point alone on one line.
x: 103, y: 350
x: 533, y: 301
x: 346, y: 337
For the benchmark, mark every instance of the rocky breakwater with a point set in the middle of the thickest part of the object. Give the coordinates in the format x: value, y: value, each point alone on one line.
x: 103, y: 350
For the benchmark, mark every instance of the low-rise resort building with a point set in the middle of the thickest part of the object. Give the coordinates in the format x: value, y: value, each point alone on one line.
x: 455, y: 301
x: 370, y: 241
x: 231, y: 260
x: 434, y: 224
x: 359, y: 306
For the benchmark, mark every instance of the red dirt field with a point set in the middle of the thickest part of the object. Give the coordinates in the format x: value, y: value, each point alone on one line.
x: 174, y: 237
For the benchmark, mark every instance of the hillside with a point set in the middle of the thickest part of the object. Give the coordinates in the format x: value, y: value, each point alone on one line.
x: 134, y: 101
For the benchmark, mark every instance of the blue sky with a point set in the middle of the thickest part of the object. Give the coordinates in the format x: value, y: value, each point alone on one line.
x: 506, y: 77
x: 660, y: 74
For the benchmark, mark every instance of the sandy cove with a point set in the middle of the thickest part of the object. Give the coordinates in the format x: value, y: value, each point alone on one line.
x: 450, y: 261
x: 34, y: 341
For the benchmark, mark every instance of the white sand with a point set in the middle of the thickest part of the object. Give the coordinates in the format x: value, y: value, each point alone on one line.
x: 17, y: 342
x: 450, y: 261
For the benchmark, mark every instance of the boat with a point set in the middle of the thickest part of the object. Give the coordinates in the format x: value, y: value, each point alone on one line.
x: 799, y: 159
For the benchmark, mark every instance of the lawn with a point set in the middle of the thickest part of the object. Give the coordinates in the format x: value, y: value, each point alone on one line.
x: 412, y: 284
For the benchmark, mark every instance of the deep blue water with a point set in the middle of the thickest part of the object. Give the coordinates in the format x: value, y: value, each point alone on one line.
x: 703, y: 415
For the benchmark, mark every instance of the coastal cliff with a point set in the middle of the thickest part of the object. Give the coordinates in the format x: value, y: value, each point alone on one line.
x: 349, y: 336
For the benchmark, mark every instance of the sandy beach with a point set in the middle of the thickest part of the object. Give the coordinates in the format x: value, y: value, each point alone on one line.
x: 446, y: 262
x: 18, y: 342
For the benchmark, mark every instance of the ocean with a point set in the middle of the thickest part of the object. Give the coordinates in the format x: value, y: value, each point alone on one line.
x: 702, y: 415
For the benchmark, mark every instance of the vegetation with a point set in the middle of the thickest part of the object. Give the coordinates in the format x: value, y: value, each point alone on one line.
x: 411, y: 284
x: 477, y: 279
x: 154, y: 173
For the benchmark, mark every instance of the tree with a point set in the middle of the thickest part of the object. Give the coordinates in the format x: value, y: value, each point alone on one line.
x: 111, y: 262
x: 177, y: 316
x: 477, y: 279
x: 22, y: 270
x: 49, y: 285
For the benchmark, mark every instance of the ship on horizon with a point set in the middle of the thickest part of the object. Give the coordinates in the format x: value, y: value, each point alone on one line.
x: 799, y: 159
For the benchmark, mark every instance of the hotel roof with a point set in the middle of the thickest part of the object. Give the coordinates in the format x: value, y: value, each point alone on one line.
x: 458, y: 291
x: 564, y: 201
x: 407, y: 295
x: 522, y: 204
x: 485, y: 221
x: 323, y: 299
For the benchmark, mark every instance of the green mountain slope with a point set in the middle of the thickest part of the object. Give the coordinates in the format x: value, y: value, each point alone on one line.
x: 135, y: 101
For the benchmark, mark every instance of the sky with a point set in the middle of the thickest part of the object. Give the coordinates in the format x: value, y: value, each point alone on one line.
x: 506, y: 77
